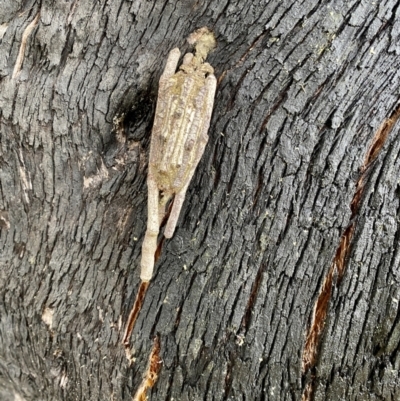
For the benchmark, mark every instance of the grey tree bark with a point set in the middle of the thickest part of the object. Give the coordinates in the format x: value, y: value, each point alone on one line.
x: 282, y: 279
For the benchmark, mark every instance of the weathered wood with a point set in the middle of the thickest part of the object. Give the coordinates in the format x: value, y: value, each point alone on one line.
x: 303, y: 89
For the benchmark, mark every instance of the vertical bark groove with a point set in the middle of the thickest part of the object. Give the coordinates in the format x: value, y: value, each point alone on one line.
x: 311, y: 348
x: 151, y: 374
x: 20, y: 59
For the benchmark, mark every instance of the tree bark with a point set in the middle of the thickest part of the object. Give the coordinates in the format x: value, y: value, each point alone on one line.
x: 282, y: 279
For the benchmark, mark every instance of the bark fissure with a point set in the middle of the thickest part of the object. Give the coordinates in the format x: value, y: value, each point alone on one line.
x: 278, y: 102
x: 337, y: 269
x: 25, y: 36
x: 152, y: 372
x: 137, y: 306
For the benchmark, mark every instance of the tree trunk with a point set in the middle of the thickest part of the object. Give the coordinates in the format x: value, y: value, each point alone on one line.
x: 282, y: 279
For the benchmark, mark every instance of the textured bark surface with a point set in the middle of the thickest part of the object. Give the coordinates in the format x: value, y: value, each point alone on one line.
x: 304, y: 90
